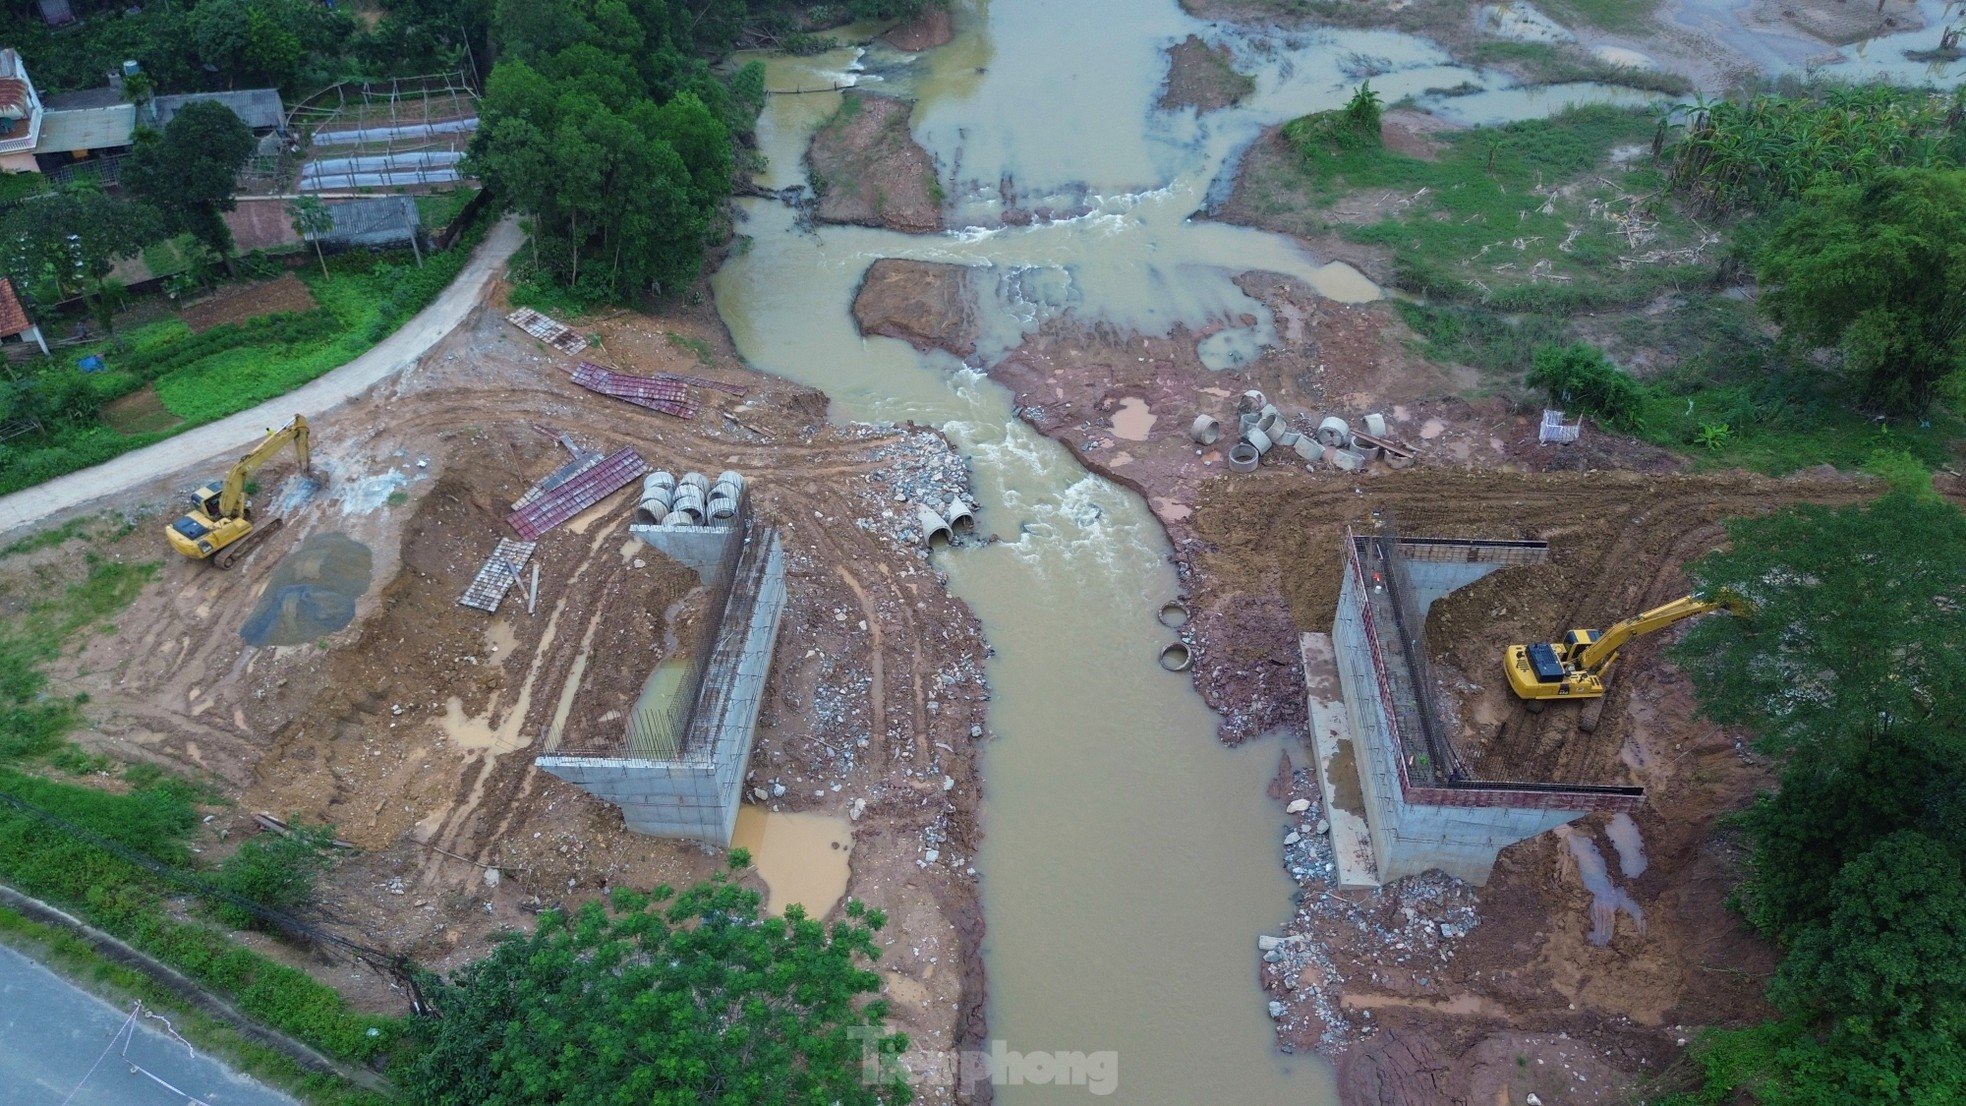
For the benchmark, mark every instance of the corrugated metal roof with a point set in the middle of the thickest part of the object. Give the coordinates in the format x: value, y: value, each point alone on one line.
x: 259, y: 107
x: 89, y: 129
x: 87, y: 98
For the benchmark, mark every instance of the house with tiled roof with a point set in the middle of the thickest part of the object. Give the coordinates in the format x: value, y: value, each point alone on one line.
x: 15, y: 326
x: 20, y: 115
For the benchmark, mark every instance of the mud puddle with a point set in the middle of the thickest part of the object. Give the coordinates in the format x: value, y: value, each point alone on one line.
x: 803, y: 858
x: 312, y: 593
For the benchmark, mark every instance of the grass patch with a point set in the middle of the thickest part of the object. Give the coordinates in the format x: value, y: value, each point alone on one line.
x: 204, y: 377
x: 172, y: 255
x: 1516, y: 217
x: 437, y: 210
x: 1568, y: 63
x: 47, y: 539
x: 697, y: 346
x: 1610, y: 15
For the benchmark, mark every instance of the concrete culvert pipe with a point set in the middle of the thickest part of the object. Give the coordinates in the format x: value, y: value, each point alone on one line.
x: 934, y: 526
x: 962, y: 519
x: 1173, y: 614
x: 1251, y: 402
x: 1308, y: 448
x: 1260, y: 441
x: 665, y: 481
x: 680, y: 515
x: 1243, y: 457
x: 1334, y: 431
x: 651, y: 511
x: 1176, y: 658
x: 1375, y: 425
x: 1288, y: 438
x: 1268, y: 418
x: 733, y: 478
x: 1206, y: 429
x: 695, y: 480
x: 721, y: 507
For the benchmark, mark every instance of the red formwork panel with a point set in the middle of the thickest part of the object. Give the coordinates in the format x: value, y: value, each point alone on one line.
x: 578, y: 494
x: 666, y: 394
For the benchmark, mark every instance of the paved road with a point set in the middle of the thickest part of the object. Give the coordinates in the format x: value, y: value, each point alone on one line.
x: 61, y: 1046
x: 237, y: 433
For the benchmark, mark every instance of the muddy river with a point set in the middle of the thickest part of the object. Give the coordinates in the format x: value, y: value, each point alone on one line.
x: 1130, y: 861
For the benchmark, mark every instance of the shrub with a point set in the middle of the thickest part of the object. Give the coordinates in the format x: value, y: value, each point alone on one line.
x: 271, y: 870
x: 1581, y: 378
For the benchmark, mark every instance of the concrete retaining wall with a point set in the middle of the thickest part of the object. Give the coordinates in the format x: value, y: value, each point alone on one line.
x: 1413, y: 829
x: 697, y: 794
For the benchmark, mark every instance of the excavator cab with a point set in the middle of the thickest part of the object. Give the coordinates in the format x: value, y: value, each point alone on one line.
x: 1575, y: 667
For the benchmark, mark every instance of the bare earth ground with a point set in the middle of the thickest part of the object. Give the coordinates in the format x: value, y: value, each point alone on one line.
x: 933, y: 26
x: 1202, y: 77
x: 869, y: 171
x: 413, y: 730
x: 248, y: 301
x: 923, y: 303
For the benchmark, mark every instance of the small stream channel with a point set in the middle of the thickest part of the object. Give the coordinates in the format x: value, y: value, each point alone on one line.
x: 1129, y: 861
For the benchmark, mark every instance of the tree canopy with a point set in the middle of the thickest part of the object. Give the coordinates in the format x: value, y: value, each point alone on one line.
x: 1877, y: 271
x: 189, y: 171
x: 1859, y: 615
x: 69, y: 240
x: 666, y: 998
x: 1849, y: 670
x: 602, y: 123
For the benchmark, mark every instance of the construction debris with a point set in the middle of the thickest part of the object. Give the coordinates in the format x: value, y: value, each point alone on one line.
x: 500, y: 572
x: 576, y: 495
x: 547, y: 329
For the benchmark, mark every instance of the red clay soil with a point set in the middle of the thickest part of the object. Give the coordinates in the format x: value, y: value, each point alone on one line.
x: 240, y: 302
x: 932, y: 27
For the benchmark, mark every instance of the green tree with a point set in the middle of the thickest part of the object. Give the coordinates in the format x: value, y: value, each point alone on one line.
x: 666, y: 998
x: 1834, y: 805
x: 312, y: 220
x: 190, y: 170
x: 271, y: 870
x: 1859, y: 615
x: 1581, y: 378
x: 1877, y: 271
x: 74, y: 238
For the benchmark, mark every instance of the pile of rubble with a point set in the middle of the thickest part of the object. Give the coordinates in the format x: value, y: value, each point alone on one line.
x: 1414, y: 924
x: 925, y: 486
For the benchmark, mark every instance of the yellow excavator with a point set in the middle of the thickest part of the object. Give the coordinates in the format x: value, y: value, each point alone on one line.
x: 1575, y: 667
x: 220, y: 529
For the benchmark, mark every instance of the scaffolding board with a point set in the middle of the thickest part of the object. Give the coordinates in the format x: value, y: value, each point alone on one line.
x: 547, y: 329
x: 576, y: 495
x: 500, y: 572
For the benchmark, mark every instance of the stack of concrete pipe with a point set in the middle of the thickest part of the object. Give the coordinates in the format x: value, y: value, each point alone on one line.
x: 1261, y: 427
x: 658, y: 494
x: 721, y: 506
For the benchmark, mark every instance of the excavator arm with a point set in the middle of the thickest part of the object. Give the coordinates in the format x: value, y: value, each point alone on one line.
x: 232, y: 498
x: 1604, y: 649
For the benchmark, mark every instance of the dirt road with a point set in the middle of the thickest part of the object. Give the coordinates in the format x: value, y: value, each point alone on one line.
x: 390, y: 356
